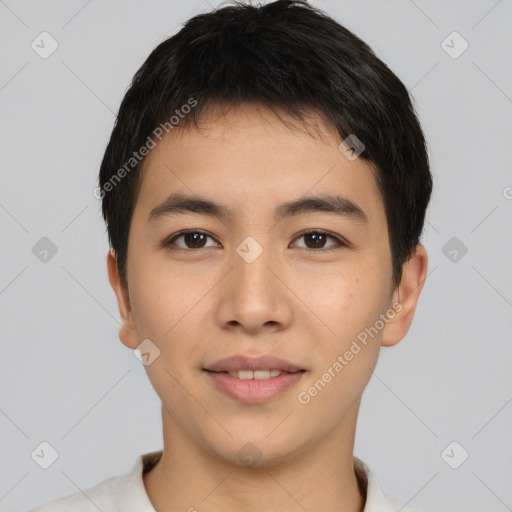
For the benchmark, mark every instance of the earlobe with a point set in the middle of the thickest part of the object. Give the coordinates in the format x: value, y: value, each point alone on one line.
x: 407, y: 295
x: 127, y: 330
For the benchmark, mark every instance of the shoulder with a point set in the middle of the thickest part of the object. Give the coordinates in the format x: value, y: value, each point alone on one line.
x: 376, y: 500
x: 100, y: 496
x: 398, y: 505
x: 123, y: 493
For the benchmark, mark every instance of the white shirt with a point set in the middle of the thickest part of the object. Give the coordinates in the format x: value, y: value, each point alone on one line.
x: 126, y: 493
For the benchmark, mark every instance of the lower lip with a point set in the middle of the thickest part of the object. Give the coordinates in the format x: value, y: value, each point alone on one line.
x: 254, y: 391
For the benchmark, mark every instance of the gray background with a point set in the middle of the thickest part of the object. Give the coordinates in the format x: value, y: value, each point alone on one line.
x: 67, y: 379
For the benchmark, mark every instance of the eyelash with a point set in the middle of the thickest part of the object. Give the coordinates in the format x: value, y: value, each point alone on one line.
x: 340, y: 243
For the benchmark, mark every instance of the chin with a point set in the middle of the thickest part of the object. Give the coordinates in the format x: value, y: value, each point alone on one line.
x: 258, y: 451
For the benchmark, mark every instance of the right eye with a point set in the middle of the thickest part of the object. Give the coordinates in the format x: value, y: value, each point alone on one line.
x: 192, y: 239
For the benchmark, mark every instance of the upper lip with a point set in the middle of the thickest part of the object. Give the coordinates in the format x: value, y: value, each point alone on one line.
x: 264, y: 362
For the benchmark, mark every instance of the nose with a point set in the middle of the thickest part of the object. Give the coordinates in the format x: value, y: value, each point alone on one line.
x: 255, y: 295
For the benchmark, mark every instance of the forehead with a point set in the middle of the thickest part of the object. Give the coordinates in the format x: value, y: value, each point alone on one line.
x: 252, y: 157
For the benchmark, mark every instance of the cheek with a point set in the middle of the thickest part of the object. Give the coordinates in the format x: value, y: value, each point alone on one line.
x: 347, y: 357
x: 163, y: 297
x: 164, y: 313
x: 347, y: 304
x: 349, y: 349
x: 170, y: 310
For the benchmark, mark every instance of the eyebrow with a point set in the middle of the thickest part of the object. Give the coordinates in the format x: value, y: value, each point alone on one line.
x: 178, y: 203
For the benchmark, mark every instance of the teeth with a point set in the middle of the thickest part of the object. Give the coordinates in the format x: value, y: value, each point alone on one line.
x: 258, y: 374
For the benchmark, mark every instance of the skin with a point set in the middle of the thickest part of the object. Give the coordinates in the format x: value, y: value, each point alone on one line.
x: 297, y: 301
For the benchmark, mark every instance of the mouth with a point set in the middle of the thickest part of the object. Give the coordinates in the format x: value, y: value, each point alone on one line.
x: 253, y: 390
x: 256, y: 374
x: 253, y: 380
x: 261, y: 367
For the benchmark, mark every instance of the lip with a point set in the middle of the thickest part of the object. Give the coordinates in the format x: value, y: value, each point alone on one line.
x: 264, y: 362
x: 253, y: 391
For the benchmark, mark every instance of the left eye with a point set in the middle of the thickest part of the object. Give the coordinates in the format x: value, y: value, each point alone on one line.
x: 197, y: 240
x: 318, y: 238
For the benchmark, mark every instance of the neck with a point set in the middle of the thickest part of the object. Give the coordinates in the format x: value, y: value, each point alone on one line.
x: 320, y: 478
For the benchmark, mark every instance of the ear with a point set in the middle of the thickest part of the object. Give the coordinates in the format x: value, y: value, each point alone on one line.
x: 406, y: 296
x: 127, y: 331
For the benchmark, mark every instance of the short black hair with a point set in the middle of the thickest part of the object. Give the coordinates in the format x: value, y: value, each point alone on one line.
x: 286, y: 55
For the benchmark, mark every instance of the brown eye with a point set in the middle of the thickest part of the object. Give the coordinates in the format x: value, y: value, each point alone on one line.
x: 314, y: 240
x: 191, y: 240
x: 318, y: 239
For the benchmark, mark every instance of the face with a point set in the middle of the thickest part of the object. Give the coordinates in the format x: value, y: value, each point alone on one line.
x: 258, y: 279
